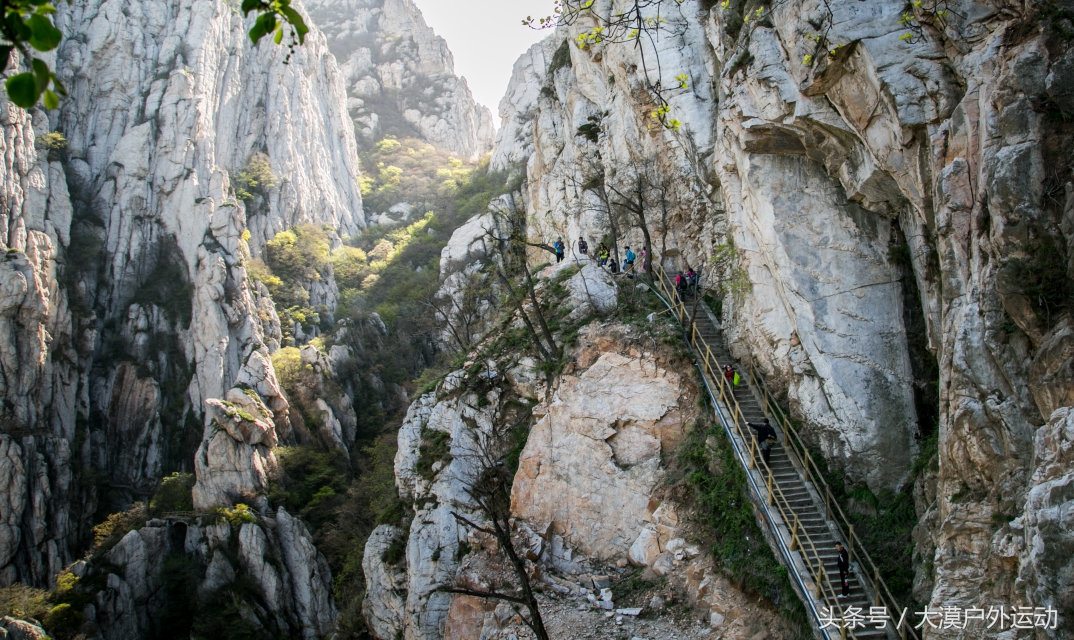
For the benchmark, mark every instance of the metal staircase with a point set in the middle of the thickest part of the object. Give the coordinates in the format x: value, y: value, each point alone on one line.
x: 797, y: 506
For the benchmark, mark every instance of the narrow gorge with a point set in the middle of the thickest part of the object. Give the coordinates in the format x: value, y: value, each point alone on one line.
x: 286, y: 349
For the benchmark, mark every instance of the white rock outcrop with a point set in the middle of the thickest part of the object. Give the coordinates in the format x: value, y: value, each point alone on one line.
x: 606, y: 428
x: 289, y: 587
x: 584, y: 489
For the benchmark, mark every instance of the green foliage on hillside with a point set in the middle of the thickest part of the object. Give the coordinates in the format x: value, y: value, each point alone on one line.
x: 174, y: 494
x: 313, y: 483
x: 298, y: 254
x: 409, y: 170
x: 391, y: 271
x: 294, y: 260
x: 256, y: 178
x: 108, y: 533
x: 21, y: 601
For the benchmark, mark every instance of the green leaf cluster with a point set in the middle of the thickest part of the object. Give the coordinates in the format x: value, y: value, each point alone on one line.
x: 174, y: 494
x: 111, y: 531
x: 275, y: 16
x: 238, y: 515
x: 256, y: 178
x: 435, y: 447
x: 26, y: 25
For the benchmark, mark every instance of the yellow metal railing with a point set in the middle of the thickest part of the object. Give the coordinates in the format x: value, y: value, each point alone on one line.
x: 833, y: 511
x: 800, y: 540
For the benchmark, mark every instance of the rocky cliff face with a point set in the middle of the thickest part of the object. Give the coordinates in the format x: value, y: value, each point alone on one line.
x: 132, y: 335
x: 286, y: 592
x: 588, y: 493
x: 400, y: 76
x: 894, y: 194
x: 38, y: 350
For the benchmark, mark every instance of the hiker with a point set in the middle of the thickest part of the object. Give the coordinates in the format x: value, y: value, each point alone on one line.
x: 729, y: 375
x: 603, y: 254
x: 691, y: 281
x: 680, y: 285
x: 628, y: 263
x: 583, y: 246
x: 644, y: 261
x: 765, y: 432
x: 559, y: 247
x: 844, y: 569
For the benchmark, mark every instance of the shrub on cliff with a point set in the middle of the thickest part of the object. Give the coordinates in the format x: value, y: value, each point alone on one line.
x: 111, y: 531
x: 174, y: 494
x: 22, y: 602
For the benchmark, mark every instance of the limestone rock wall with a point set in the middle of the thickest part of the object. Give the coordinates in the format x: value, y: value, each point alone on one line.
x: 894, y: 195
x: 153, y: 569
x: 607, y: 428
x: 400, y: 76
x: 586, y: 487
x: 132, y: 340
x: 835, y: 345
x: 39, y: 344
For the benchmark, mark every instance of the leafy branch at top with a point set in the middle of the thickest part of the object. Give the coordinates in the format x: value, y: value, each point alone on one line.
x: 274, y: 16
x: 918, y: 14
x: 28, y: 26
x: 637, y: 21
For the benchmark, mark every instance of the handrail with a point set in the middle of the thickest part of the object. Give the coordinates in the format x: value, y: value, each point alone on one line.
x: 834, y: 512
x: 775, y: 497
x: 882, y: 595
x: 784, y: 549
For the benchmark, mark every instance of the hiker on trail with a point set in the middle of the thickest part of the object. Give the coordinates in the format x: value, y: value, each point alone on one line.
x: 765, y: 432
x: 729, y: 375
x: 603, y: 254
x: 644, y: 261
x: 844, y: 569
x: 583, y: 246
x: 691, y: 281
x: 680, y: 285
x: 628, y: 263
x: 559, y: 247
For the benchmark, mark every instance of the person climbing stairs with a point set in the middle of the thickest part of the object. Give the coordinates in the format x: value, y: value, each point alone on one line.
x: 799, y: 512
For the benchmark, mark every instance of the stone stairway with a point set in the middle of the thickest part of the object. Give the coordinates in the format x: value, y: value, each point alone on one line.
x: 795, y: 494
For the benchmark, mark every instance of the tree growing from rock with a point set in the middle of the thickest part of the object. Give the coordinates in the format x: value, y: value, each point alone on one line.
x: 490, y: 492
x: 509, y: 239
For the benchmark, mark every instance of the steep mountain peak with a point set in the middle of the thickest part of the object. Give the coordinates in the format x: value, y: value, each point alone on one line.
x: 400, y: 75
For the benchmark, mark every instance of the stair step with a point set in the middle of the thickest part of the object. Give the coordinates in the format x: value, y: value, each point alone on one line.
x: 793, y: 492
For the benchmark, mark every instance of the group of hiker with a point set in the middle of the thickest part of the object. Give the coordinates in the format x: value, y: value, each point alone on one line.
x: 685, y: 282
x: 603, y: 256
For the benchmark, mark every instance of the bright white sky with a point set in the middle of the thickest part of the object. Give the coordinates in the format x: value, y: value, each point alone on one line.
x: 486, y: 37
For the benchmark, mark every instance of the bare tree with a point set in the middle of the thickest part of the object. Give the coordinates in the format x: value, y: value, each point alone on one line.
x: 509, y: 239
x: 463, y: 312
x: 491, y: 495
